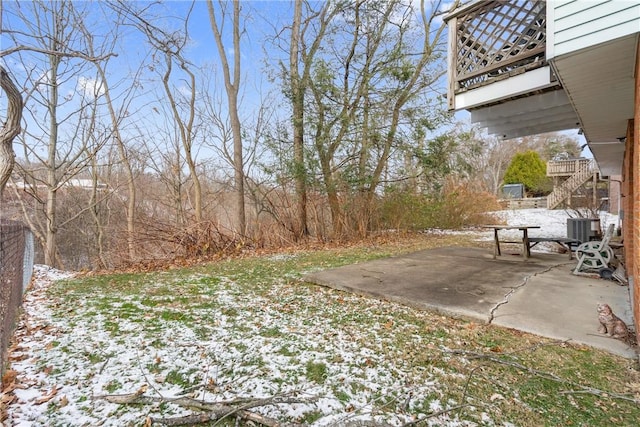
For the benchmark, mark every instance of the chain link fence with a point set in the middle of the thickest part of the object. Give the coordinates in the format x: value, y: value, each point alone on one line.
x: 16, y: 268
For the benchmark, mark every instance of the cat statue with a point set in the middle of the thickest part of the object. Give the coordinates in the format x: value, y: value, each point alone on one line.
x: 611, y: 324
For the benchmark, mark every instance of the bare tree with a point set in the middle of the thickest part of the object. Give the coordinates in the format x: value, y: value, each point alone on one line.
x: 10, y: 129
x: 232, y: 87
x: 186, y: 130
x: 167, y: 160
x: 298, y: 85
x: 47, y: 32
x: 171, y: 46
x: 94, y: 204
x: 116, y: 117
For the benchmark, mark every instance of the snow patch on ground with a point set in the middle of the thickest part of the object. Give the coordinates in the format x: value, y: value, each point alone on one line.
x: 552, y: 223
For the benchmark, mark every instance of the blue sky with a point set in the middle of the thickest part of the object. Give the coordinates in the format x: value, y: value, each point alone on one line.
x: 262, y: 20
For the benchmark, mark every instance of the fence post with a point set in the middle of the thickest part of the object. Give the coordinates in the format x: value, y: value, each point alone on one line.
x: 29, y: 255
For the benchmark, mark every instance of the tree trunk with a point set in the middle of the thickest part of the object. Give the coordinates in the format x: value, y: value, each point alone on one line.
x: 238, y: 163
x: 297, y: 95
x: 197, y: 187
x: 122, y: 152
x: 52, y: 182
x: 186, y: 129
x: 7, y: 160
x: 51, y: 229
x: 10, y: 129
x: 95, y: 213
x: 330, y: 187
x: 232, y: 86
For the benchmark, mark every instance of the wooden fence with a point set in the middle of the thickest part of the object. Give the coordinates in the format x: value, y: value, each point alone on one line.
x: 528, y: 203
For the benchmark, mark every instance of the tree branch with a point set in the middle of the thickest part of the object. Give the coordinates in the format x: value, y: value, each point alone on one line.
x: 80, y: 55
x: 212, y: 410
x: 10, y: 129
x: 545, y: 375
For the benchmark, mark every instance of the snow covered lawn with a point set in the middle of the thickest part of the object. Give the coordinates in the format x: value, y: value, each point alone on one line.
x: 210, y: 339
x: 247, y: 329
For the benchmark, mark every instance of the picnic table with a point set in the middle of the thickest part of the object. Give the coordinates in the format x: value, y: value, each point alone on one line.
x: 526, y: 248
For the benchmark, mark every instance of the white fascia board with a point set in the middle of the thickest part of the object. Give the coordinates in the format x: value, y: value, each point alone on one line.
x: 530, y: 81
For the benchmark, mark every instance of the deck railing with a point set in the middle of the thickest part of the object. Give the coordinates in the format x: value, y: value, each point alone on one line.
x: 566, y: 167
x: 489, y: 40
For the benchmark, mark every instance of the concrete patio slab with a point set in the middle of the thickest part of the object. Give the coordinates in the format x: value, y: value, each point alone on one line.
x: 539, y: 295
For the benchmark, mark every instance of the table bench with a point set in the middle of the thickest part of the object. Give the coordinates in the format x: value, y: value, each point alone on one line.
x: 565, y: 242
x: 526, y: 249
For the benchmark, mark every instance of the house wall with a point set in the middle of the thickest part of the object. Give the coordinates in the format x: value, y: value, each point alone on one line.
x: 573, y: 25
x: 630, y: 234
x: 631, y: 191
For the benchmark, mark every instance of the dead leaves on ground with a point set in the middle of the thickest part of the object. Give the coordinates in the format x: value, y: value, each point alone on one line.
x: 47, y: 397
x: 11, y: 382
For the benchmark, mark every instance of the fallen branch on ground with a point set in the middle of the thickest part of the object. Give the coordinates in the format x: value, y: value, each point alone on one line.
x: 435, y: 414
x: 213, y: 411
x: 214, y: 416
x: 545, y: 375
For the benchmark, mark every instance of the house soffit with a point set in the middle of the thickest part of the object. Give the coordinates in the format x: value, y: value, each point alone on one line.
x: 600, y: 84
x: 539, y: 113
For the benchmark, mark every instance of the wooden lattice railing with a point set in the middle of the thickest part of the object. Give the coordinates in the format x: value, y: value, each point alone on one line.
x: 494, y: 39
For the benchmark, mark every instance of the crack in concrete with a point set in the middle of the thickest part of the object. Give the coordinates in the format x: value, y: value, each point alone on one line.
x: 515, y: 288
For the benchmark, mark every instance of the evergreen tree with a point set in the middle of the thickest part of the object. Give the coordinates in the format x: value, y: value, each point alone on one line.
x: 529, y: 169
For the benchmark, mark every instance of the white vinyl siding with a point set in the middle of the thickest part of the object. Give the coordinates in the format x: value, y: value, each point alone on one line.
x: 579, y: 24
